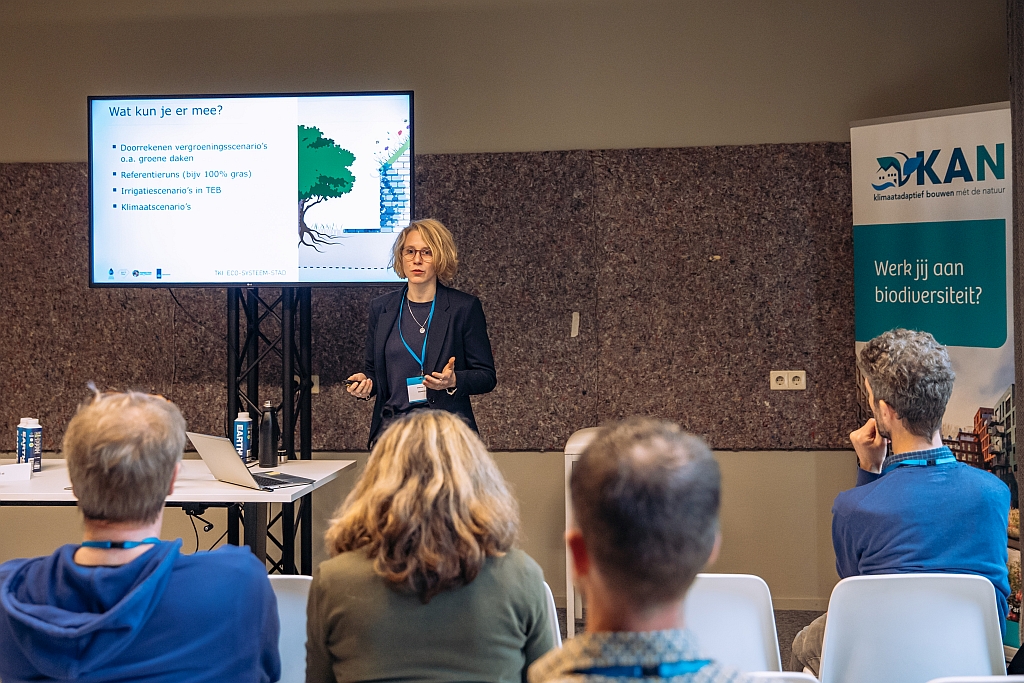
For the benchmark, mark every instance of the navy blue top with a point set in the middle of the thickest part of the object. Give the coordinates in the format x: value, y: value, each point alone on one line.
x: 400, y: 364
x: 458, y: 330
x: 948, y: 518
x: 162, y: 617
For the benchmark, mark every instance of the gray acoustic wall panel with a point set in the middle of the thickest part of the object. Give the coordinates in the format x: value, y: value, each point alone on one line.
x: 718, y: 265
x: 57, y: 334
x: 694, y: 272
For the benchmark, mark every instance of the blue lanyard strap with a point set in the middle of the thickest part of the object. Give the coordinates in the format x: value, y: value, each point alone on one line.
x: 667, y: 670
x: 423, y: 351
x: 944, y: 460
x: 119, y: 544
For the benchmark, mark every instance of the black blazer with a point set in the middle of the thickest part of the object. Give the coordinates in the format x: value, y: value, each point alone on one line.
x: 458, y: 329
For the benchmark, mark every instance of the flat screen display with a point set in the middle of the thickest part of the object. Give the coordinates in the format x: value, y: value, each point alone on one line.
x: 247, y: 190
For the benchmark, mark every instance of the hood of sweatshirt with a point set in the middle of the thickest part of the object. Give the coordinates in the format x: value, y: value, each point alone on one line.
x: 69, y: 620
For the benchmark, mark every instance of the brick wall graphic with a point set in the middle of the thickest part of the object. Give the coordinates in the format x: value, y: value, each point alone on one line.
x: 395, y: 173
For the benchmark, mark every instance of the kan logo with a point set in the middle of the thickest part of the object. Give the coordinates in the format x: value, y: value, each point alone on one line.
x: 899, y: 169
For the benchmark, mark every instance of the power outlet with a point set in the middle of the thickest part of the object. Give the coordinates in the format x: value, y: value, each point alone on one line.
x: 788, y: 380
x: 797, y: 380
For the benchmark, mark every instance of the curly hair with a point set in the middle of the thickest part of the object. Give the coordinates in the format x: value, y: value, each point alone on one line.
x: 430, y: 507
x: 912, y: 373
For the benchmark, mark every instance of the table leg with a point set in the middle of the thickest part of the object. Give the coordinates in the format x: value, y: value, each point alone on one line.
x: 234, y: 521
x: 254, y: 516
x: 306, y: 531
x: 288, y: 538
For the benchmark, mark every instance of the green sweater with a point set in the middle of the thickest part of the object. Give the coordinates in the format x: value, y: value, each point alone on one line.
x: 360, y: 629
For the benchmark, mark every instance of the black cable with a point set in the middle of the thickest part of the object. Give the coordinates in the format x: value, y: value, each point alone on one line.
x: 218, y: 540
x: 188, y: 315
x: 193, y: 520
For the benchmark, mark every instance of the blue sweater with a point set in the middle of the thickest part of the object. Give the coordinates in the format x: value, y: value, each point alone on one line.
x: 947, y: 518
x: 164, y: 616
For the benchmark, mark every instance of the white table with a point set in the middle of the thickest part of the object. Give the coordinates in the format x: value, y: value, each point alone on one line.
x: 196, y: 486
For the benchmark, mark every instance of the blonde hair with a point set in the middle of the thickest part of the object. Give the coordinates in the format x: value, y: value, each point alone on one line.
x: 442, y: 246
x: 430, y: 507
x: 121, y: 451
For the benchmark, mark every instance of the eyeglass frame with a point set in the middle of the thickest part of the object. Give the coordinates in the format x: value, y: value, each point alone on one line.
x: 409, y: 254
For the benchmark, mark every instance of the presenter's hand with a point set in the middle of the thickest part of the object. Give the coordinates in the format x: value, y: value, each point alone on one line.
x: 442, y: 380
x: 363, y: 386
x: 870, y: 446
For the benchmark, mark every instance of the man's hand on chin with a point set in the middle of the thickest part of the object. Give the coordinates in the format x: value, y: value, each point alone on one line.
x: 870, y: 446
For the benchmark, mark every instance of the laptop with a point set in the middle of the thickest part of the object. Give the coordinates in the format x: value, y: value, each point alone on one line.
x: 220, y: 456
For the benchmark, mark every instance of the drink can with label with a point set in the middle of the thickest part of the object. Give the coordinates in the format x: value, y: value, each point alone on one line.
x: 23, y: 438
x: 30, y: 443
x: 243, y: 435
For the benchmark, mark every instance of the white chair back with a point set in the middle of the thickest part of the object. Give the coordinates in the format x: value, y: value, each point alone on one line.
x: 732, y: 617
x: 911, y: 628
x: 292, y: 594
x: 978, y: 679
x: 781, y: 677
x: 553, y: 615
x: 579, y: 440
x: 574, y: 447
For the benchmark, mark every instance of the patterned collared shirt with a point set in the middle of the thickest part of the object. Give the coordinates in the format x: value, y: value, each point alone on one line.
x: 650, y: 648
x: 930, y: 454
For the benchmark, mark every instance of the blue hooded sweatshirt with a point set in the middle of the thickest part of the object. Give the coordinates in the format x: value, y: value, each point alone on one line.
x: 211, y: 616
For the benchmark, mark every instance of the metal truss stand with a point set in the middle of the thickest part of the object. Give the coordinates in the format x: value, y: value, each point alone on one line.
x: 270, y: 328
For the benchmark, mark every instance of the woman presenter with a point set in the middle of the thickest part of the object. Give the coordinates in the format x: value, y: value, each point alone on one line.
x: 426, y: 344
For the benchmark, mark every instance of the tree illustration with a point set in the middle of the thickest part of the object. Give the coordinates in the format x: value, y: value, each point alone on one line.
x: 323, y: 174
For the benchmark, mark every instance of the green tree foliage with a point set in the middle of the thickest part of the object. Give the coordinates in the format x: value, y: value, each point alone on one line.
x: 324, y: 173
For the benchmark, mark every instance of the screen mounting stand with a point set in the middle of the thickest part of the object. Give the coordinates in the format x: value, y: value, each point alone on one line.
x: 270, y: 329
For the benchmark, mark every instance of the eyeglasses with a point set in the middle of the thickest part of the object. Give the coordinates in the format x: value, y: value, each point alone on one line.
x: 409, y: 254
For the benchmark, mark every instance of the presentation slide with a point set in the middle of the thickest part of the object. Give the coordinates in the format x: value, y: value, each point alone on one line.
x: 255, y: 189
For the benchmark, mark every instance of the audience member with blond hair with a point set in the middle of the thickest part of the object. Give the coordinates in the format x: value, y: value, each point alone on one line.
x: 425, y: 582
x: 124, y: 605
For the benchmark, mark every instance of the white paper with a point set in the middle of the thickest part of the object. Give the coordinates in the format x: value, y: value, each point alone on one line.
x: 20, y: 472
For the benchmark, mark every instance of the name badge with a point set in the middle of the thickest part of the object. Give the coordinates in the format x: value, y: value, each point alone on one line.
x: 417, y: 390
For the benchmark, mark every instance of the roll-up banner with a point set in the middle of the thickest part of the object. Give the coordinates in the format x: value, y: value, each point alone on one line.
x: 932, y: 212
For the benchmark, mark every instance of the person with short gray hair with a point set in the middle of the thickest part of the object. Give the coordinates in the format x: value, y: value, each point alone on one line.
x: 645, y: 498
x: 122, y: 452
x: 124, y: 605
x: 915, y: 507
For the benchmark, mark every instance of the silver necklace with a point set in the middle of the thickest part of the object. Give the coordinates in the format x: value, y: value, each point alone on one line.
x: 409, y: 306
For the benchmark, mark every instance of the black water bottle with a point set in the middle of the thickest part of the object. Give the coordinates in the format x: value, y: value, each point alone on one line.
x: 270, y: 433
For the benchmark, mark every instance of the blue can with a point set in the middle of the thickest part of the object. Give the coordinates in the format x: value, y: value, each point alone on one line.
x: 23, y: 438
x: 243, y: 435
x: 30, y: 443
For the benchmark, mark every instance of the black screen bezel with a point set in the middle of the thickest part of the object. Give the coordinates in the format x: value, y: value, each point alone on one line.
x: 243, y: 283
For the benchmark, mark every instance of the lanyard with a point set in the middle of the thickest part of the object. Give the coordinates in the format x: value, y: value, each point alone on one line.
x: 667, y: 670
x: 944, y: 460
x: 119, y: 544
x: 423, y: 351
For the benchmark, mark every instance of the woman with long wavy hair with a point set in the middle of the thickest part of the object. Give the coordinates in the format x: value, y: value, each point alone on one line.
x: 424, y: 583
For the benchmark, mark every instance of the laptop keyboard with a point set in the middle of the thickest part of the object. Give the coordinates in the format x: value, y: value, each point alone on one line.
x: 281, y: 480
